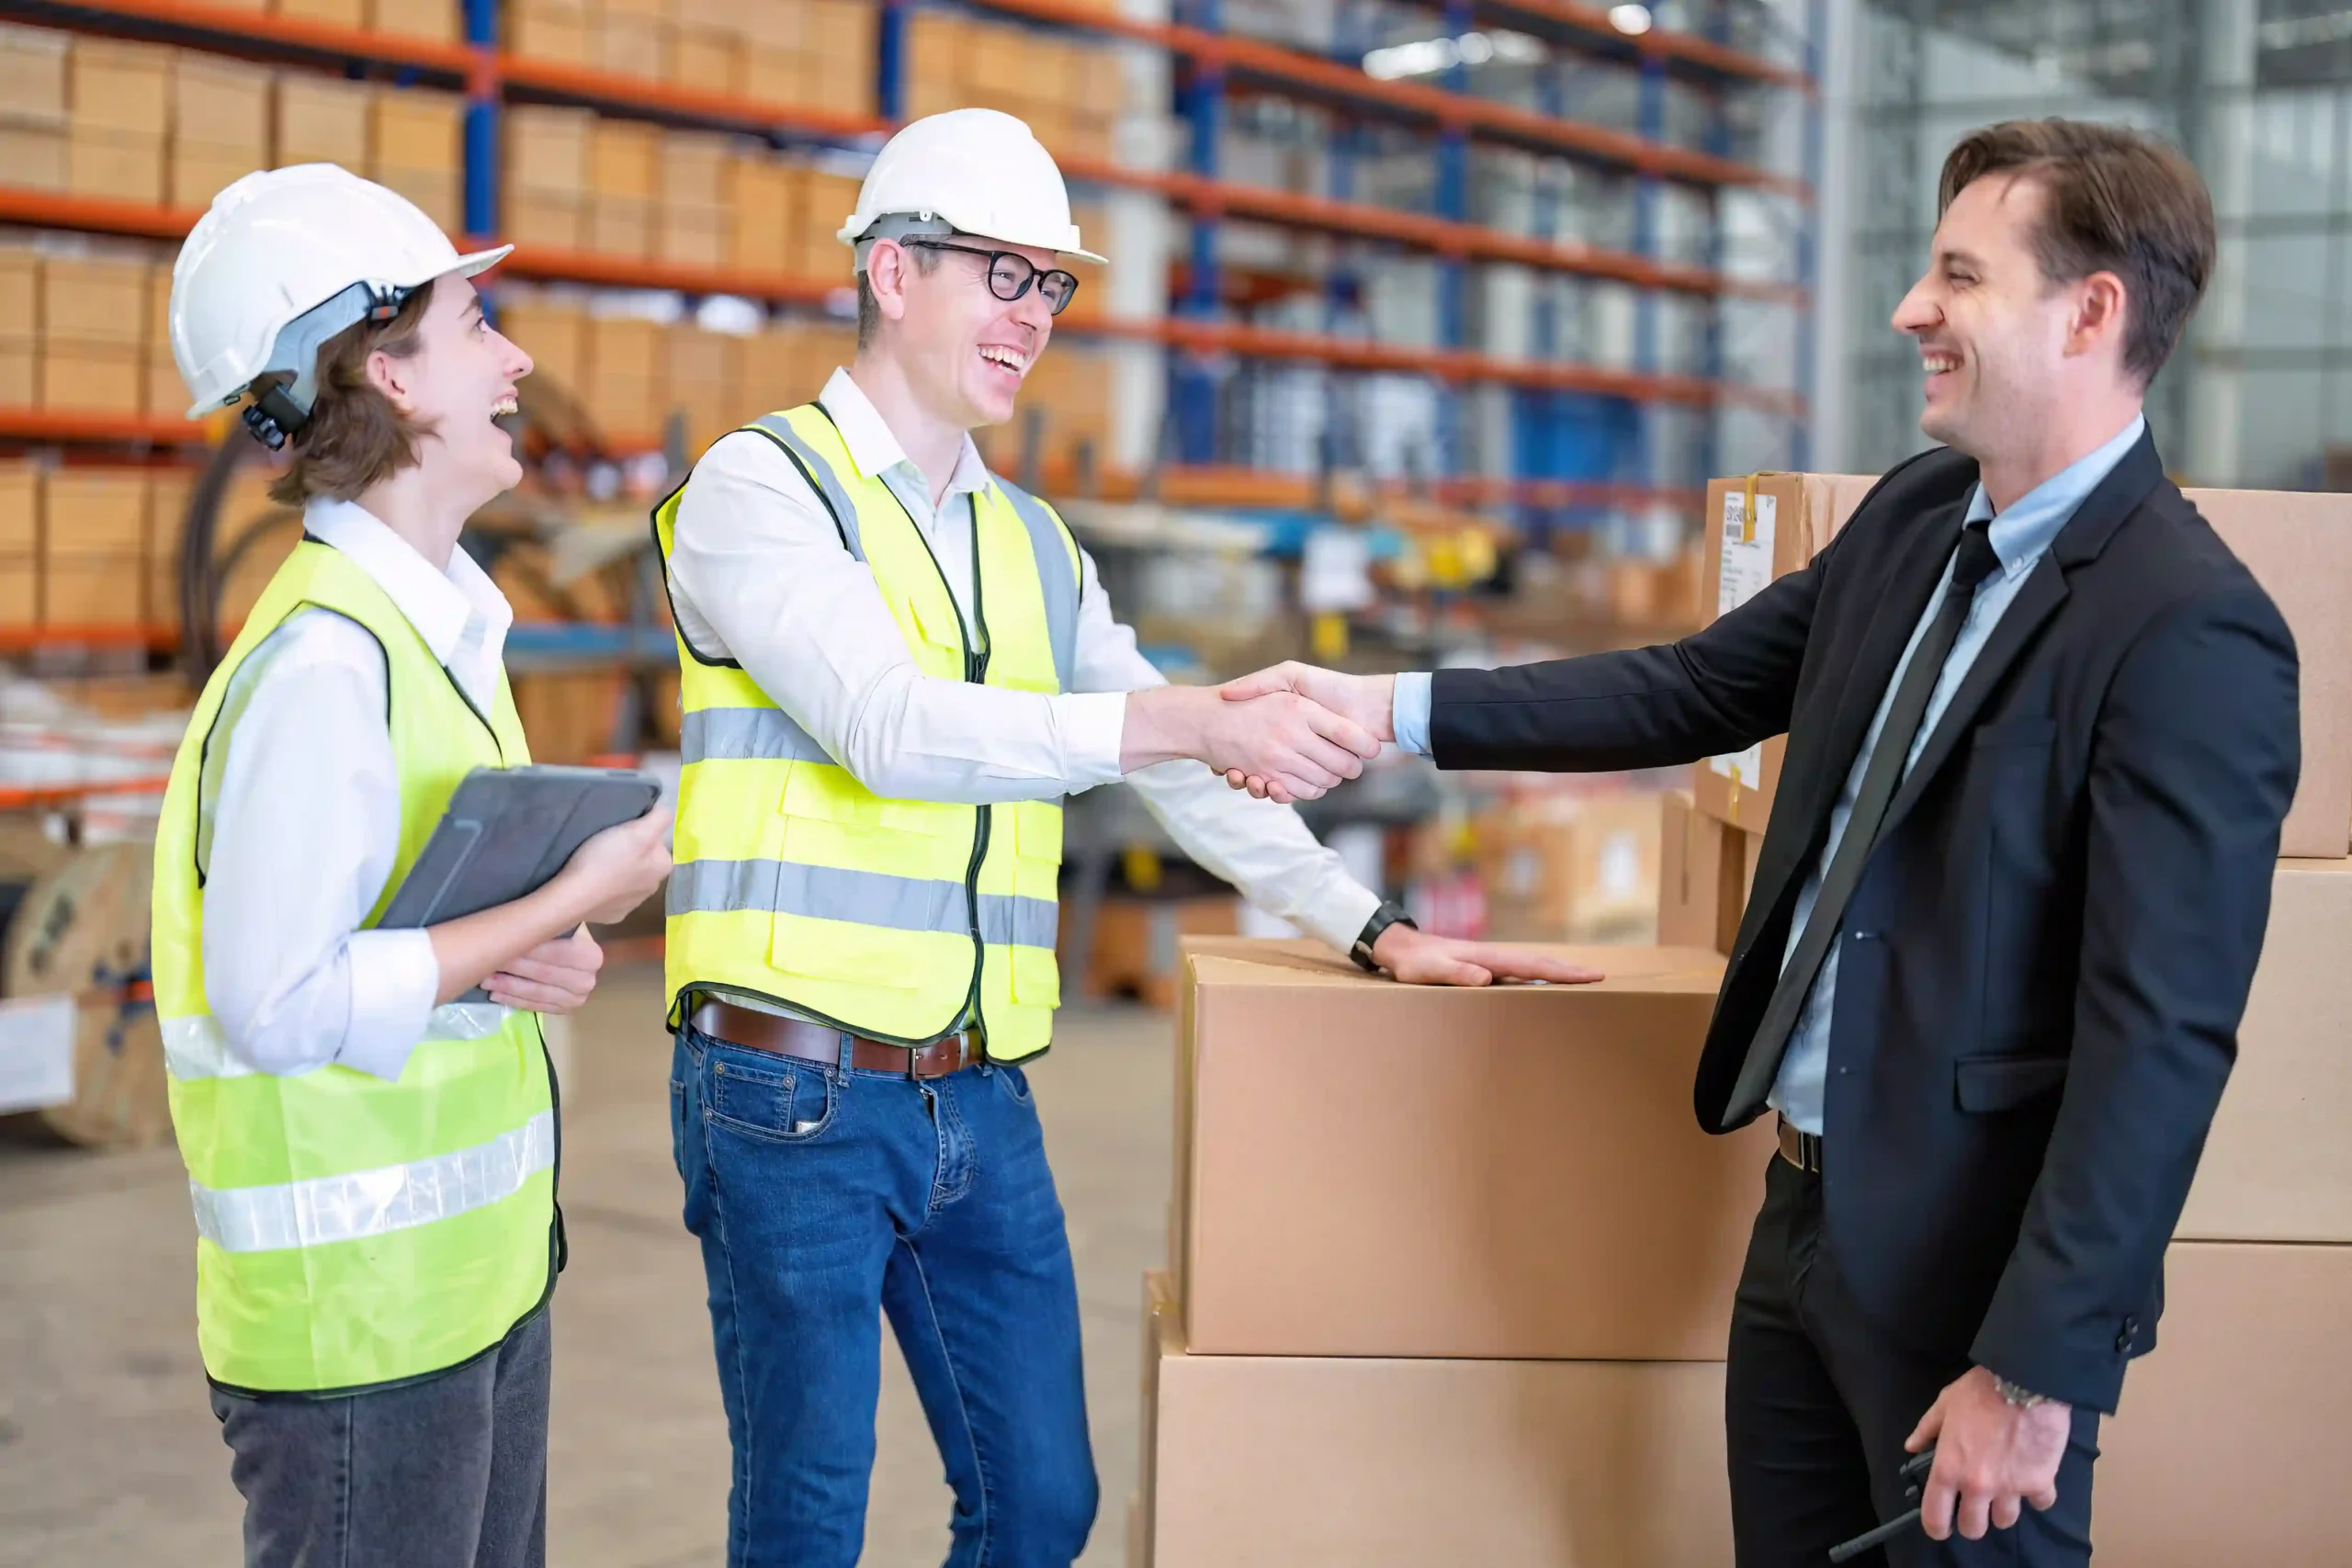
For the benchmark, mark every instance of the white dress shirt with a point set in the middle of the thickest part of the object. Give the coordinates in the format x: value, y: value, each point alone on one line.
x: 298, y: 820
x: 759, y: 574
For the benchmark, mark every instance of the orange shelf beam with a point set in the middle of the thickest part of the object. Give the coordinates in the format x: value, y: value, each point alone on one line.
x: 1688, y: 50
x: 30, y: 797
x: 61, y: 426
x: 692, y: 102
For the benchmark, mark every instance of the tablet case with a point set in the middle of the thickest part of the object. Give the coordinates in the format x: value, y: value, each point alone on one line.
x: 506, y: 832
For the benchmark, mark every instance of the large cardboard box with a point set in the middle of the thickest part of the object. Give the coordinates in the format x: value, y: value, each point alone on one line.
x: 416, y: 128
x: 693, y: 169
x: 94, y: 299
x: 624, y: 159
x: 827, y: 201
x: 547, y: 219
x: 547, y: 149
x: 20, y: 490
x: 762, y: 201
x: 2228, y: 1446
x: 629, y: 45
x: 1343, y: 1463
x: 92, y: 590
x: 320, y: 121
x: 621, y: 226
x: 1572, y: 868
x: 198, y: 171
x: 1706, y: 869
x: 558, y: 35
x: 2276, y: 1165
x: 2299, y: 548
x: 117, y: 86
x: 91, y: 377
x: 1507, y: 1172
x: 438, y: 193
x: 97, y: 511
x: 1758, y: 528
x: 33, y: 77
x: 707, y: 59
x: 554, y: 334
x: 34, y: 156
x: 117, y: 166
x: 221, y: 102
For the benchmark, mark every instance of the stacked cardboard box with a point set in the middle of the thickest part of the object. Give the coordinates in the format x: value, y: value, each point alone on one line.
x: 432, y: 21
x: 269, y: 532
x: 624, y: 173
x: 788, y: 364
x: 93, y: 332
x: 19, y: 326
x: 165, y: 396
x: 220, y: 112
x: 1068, y: 90
x: 93, y: 547
x: 827, y: 200
x: 167, y: 500
x: 1461, y: 1336
x: 630, y: 38
x: 337, y: 12
x: 816, y: 54
x: 1137, y: 946
x: 1707, y: 870
x: 19, y: 545
x: 554, y: 31
x: 708, y: 45
x: 121, y: 95
x: 1063, y: 410
x: 545, y: 176
x: 1571, y: 867
x: 704, y: 373
x: 417, y: 141
x: 762, y: 200
x: 623, y: 390
x: 320, y: 121
x: 692, y: 228
x: 33, y: 106
x: 552, y: 330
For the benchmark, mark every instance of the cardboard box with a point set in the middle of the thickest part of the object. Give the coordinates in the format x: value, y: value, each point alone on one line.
x: 2276, y: 1166
x: 94, y: 299
x: 1136, y: 948
x: 775, y: 24
x: 774, y: 75
x: 2298, y: 547
x: 20, y: 291
x: 120, y: 87
x: 547, y: 149
x: 624, y: 348
x: 339, y: 13
x: 559, y: 37
x: 440, y: 192
x: 543, y: 219
x: 762, y: 202
x: 2228, y: 1446
x: 1303, y: 1461
x: 1570, y: 868
x: 19, y: 381
x: 624, y: 159
x: 20, y: 494
x: 1509, y: 1171
x: 34, y: 156
x: 827, y: 201
x: 115, y: 165
x: 97, y: 511
x: 20, y: 593
x: 201, y: 170
x: 693, y: 169
x: 417, y: 129
x: 321, y: 121
x: 1705, y: 870
x: 707, y: 60
x: 621, y: 226
x: 705, y: 372
x: 222, y: 103
x: 91, y: 591
x: 692, y: 236
x: 104, y: 377
x: 435, y: 21
x: 554, y: 335
x: 33, y: 77
x: 630, y: 46
x: 1758, y: 528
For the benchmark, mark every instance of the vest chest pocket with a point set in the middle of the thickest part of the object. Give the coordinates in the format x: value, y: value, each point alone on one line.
x: 1037, y: 848
x: 846, y: 824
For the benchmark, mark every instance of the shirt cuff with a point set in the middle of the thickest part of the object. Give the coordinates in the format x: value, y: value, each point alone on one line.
x: 394, y: 978
x: 1409, y: 712
x: 1339, y: 916
x: 1093, y: 725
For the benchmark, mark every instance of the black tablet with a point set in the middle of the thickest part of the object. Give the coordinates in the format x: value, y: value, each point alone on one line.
x: 507, y: 833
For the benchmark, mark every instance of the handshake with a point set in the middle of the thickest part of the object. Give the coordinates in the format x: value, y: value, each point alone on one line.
x: 1288, y: 734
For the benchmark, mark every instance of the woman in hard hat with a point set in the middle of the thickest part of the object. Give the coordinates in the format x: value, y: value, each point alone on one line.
x: 372, y: 1160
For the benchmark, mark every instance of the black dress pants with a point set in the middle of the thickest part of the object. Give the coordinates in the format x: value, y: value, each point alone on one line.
x: 1818, y: 1402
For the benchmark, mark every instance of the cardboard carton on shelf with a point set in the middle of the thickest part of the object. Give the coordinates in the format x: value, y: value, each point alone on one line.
x: 341, y: 13
x: 693, y: 169
x: 1280, y: 1461
x: 221, y: 102
x: 1570, y: 868
x: 553, y: 219
x: 91, y: 591
x: 704, y: 373
x: 439, y: 193
x: 417, y: 129
x: 2228, y: 1445
x: 20, y: 508
x: 556, y: 35
x: 620, y: 226
x: 1707, y: 870
x: 115, y: 165
x: 762, y: 198
x: 624, y: 159
x: 98, y: 298
x: 33, y: 157
x: 91, y: 377
x: 554, y: 334
x: 827, y: 201
x: 2275, y: 1167
x: 97, y: 511
x: 1509, y: 1171
x: 120, y: 87
x: 433, y: 21
x: 19, y: 378
x: 629, y: 45
x: 708, y: 59
x: 199, y: 171
x: 320, y: 121
x: 20, y: 593
x: 548, y: 148
x: 33, y: 75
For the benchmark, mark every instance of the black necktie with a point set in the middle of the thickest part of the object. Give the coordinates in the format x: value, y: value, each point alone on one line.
x: 1971, y: 564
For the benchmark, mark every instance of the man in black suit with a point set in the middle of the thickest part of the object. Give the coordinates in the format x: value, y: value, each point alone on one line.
x: 2042, y: 734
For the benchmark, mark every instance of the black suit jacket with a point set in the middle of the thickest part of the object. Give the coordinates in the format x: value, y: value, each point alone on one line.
x: 2044, y: 967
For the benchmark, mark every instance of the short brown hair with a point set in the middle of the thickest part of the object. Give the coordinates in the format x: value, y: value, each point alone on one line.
x: 2114, y: 200
x: 355, y: 436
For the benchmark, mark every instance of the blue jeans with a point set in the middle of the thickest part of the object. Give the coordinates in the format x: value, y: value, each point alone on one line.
x: 820, y: 1194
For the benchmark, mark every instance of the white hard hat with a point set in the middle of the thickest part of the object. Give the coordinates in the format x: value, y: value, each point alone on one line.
x: 976, y: 172
x: 284, y: 260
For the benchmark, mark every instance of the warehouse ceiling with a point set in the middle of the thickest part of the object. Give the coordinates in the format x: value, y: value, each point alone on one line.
x: 2121, y: 46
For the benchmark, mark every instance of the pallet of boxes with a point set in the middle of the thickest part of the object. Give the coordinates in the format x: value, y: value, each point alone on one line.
x: 2223, y: 1447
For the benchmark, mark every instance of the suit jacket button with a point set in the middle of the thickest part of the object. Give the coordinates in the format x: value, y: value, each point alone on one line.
x: 2130, y: 1329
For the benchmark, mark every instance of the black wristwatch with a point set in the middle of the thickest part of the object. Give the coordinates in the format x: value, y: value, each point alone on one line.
x: 1388, y: 914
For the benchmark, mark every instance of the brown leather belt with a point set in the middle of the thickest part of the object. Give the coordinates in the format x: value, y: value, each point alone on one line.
x: 1800, y: 1149
x: 756, y: 1030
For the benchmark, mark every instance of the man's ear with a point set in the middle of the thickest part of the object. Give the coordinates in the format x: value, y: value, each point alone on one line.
x: 886, y: 277
x: 2101, y: 315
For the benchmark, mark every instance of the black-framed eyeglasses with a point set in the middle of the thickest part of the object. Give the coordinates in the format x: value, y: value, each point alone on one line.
x: 1010, y: 273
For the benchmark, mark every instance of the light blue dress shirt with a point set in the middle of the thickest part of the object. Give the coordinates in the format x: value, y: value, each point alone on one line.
x: 2020, y: 536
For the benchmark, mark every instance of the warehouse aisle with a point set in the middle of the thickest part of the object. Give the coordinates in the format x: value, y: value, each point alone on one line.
x: 108, y: 1455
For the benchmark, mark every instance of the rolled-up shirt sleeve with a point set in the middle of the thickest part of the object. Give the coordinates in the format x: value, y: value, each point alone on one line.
x: 303, y: 829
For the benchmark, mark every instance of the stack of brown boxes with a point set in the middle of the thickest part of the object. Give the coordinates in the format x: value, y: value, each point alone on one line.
x: 623, y: 172
x: 552, y: 330
x: 88, y: 548
x: 165, y: 395
x: 320, y: 121
x: 630, y: 38
x: 92, y: 319
x: 19, y: 327
x: 20, y: 546
x: 555, y: 31
x: 763, y: 198
x: 817, y: 54
x: 220, y: 126
x: 121, y: 96
x: 418, y: 145
x: 1564, y: 867
x: 704, y: 373
x: 1451, y: 1270
x: 336, y: 13
x: 546, y: 177
x: 788, y: 364
x: 709, y: 46
x: 827, y: 200
x: 623, y: 390
x: 1068, y: 89
x: 429, y: 21
x: 693, y: 225
x: 33, y: 116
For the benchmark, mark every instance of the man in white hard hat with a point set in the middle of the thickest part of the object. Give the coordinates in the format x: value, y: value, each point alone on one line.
x: 371, y: 1159
x: 894, y: 665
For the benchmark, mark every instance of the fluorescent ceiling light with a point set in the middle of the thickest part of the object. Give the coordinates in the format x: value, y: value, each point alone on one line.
x: 1432, y: 57
x: 1633, y: 19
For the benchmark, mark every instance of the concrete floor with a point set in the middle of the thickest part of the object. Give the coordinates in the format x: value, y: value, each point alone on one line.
x: 108, y: 1455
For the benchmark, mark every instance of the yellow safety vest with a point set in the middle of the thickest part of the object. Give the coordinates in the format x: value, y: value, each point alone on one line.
x: 353, y: 1232
x: 796, y: 884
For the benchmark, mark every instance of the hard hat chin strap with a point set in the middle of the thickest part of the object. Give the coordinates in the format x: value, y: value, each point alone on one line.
x: 281, y: 411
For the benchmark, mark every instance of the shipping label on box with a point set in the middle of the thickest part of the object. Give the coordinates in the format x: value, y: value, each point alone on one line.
x: 1747, y: 530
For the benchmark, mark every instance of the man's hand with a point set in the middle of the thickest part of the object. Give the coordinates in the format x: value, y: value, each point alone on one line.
x: 1420, y: 959
x: 1298, y: 750
x: 555, y: 976
x: 1991, y: 1457
x: 1368, y: 701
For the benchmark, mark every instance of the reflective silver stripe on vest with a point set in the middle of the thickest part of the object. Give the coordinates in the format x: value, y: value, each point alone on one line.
x: 198, y: 1047
x: 746, y: 735
x: 1058, y: 572
x: 866, y: 897
x: 329, y: 1209
x: 778, y: 426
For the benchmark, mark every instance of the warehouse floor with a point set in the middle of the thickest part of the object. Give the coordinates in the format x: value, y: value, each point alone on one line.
x: 109, y: 1454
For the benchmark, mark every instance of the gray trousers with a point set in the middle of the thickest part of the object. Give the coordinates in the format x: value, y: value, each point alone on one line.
x: 448, y: 1472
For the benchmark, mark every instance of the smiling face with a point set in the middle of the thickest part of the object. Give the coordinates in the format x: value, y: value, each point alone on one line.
x: 1994, y: 332
x: 965, y: 351
x: 455, y: 383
